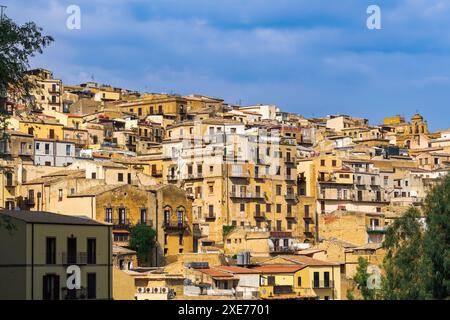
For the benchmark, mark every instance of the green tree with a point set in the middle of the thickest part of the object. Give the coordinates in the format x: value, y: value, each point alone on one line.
x: 406, y: 267
x: 142, y: 240
x: 437, y: 238
x: 361, y: 279
x: 18, y: 43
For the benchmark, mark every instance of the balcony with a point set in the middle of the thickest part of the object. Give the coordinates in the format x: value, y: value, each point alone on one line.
x: 121, y: 224
x: 282, y: 290
x: 29, y: 202
x: 10, y: 183
x: 74, y: 294
x: 282, y: 249
x: 210, y: 216
x: 79, y: 258
x: 174, y: 225
x: 259, y: 215
x: 172, y: 177
x: 290, y: 196
x: 308, y: 234
x: 376, y: 229
x: 289, y: 177
x: 260, y: 176
x: 322, y: 284
x: 239, y: 174
x: 289, y: 161
x: 156, y: 173
x: 248, y: 195
x: 192, y: 176
x: 291, y: 216
x: 307, y: 217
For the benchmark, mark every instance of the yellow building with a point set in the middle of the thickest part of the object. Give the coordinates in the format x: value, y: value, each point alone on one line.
x: 39, y: 127
x: 47, y: 95
x: 46, y: 246
x: 236, y: 178
x: 300, y: 277
x: 8, y: 185
x: 171, y: 214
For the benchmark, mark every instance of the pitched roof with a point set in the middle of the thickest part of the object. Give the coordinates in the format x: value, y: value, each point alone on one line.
x: 237, y: 270
x: 215, y: 273
x: 307, y: 261
x: 96, y: 190
x: 279, y: 268
x: 49, y: 218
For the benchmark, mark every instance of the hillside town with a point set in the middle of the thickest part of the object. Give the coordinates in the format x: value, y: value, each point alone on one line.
x: 245, y: 201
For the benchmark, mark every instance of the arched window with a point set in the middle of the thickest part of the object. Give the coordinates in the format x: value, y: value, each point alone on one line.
x: 180, y: 215
x: 167, y: 213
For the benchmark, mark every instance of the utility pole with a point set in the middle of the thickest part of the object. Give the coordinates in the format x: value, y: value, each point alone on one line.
x: 2, y: 8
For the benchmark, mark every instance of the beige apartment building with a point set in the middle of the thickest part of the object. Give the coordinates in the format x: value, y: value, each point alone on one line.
x: 46, y: 244
x: 48, y: 92
x: 237, y: 177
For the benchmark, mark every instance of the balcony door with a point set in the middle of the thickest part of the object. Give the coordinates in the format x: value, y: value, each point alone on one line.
x: 50, y: 287
x: 326, y: 279
x: 71, y: 250
x: 316, y: 280
x: 122, y: 216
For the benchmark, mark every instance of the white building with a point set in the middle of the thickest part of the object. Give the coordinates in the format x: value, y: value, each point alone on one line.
x: 53, y: 153
x: 267, y: 111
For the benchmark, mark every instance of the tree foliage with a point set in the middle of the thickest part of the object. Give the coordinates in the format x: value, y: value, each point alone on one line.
x: 142, y: 240
x: 405, y: 265
x: 417, y: 263
x: 437, y: 239
x: 361, y: 279
x: 18, y: 43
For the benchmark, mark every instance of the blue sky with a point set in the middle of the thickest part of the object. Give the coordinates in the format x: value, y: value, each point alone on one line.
x: 309, y: 57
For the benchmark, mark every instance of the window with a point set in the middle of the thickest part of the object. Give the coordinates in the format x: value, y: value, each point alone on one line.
x: 91, y: 286
x: 299, y: 281
x: 278, y: 190
x: 122, y: 216
x: 180, y: 239
x: 108, y: 215
x: 242, y: 207
x: 326, y: 279
x: 322, y: 163
x: 47, y: 148
x: 289, y: 225
x: 278, y: 225
x: 211, y: 189
x: 50, y: 287
x: 68, y: 150
x: 31, y: 195
x: 333, y: 163
x: 50, y: 253
x: 144, y: 216
x: 120, y: 177
x: 268, y: 207
x: 211, y: 210
x: 91, y: 251
x: 306, y: 208
x: 94, y: 175
x: 316, y: 280
x: 278, y: 208
x: 271, y: 280
x: 60, y: 194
